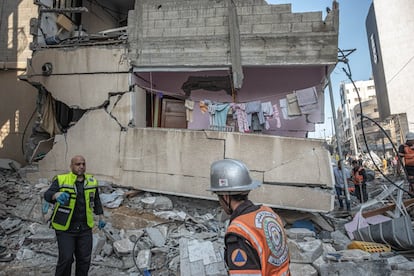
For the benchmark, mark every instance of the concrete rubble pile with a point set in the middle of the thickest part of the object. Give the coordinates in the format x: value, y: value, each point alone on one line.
x: 168, y: 235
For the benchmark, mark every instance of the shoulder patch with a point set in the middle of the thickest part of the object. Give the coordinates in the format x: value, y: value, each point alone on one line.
x: 239, y: 257
x: 276, y: 241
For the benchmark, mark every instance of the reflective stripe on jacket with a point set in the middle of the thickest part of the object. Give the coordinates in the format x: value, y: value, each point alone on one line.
x: 264, y: 230
x: 62, y: 214
x: 408, y: 156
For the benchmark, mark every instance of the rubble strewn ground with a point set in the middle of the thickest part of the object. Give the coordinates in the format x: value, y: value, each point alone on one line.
x: 172, y: 235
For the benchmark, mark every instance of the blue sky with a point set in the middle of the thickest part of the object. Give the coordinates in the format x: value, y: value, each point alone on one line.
x: 352, y: 35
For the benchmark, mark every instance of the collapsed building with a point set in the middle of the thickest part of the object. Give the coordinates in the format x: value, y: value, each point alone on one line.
x: 152, y: 92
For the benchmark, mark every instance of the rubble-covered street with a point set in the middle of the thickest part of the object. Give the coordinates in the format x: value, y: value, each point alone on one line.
x: 154, y: 234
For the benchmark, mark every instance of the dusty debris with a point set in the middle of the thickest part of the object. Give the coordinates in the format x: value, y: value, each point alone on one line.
x: 171, y: 235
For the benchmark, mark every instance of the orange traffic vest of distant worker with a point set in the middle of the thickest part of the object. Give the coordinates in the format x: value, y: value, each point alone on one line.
x: 357, y: 176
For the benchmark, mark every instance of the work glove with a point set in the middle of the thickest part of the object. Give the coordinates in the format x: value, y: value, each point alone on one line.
x: 63, y: 198
x: 101, y: 224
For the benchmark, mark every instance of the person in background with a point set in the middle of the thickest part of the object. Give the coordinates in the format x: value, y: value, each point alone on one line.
x: 74, y: 194
x: 384, y: 165
x: 360, y: 160
x: 406, y: 152
x: 255, y: 241
x: 359, y: 177
x: 340, y: 185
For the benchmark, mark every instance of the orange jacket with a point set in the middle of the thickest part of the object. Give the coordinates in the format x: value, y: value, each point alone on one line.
x: 264, y: 230
x: 358, y: 178
x: 408, y: 155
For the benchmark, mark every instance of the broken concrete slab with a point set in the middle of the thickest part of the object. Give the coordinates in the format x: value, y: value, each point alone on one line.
x: 302, y: 269
x: 356, y: 268
x: 151, y: 164
x: 157, y: 203
x: 197, y: 256
x: 304, y: 251
x: 157, y: 238
x: 9, y: 164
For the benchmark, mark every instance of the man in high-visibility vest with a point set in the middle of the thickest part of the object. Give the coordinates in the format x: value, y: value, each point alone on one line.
x: 76, y: 198
x: 359, y: 177
x: 256, y: 243
x: 406, y: 152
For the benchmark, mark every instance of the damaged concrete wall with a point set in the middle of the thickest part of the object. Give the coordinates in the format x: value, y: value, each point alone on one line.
x: 82, y: 77
x: 196, y: 33
x: 297, y: 171
x: 18, y: 98
x: 17, y: 104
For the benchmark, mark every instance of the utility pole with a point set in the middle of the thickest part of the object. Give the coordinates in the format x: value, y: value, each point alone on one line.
x: 347, y: 196
x: 351, y: 123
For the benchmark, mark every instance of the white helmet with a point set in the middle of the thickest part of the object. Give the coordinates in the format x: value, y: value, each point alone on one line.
x: 230, y: 176
x: 409, y: 136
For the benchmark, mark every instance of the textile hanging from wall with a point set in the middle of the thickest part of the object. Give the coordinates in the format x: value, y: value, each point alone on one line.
x: 48, y: 121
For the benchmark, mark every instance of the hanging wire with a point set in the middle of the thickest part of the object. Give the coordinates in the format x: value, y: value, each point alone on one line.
x: 349, y: 75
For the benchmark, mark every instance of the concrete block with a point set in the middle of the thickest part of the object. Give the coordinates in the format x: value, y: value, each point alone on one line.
x: 197, y: 22
x: 244, y: 10
x: 156, y: 236
x: 262, y: 28
x: 170, y: 14
x: 157, y: 203
x: 222, y: 11
x: 172, y: 32
x: 355, y: 255
x: 304, y: 252
x: 302, y: 269
x: 206, y: 12
x: 265, y: 9
x: 191, y: 14
x: 205, y: 31
x: 281, y: 8
x: 355, y: 268
x: 221, y: 30
x: 154, y: 32
x: 217, y: 21
x: 311, y: 16
x: 160, y: 24
x: 144, y: 259
x: 123, y: 247
x: 197, y: 268
x: 281, y: 28
x: 340, y: 240
x: 302, y: 27
x: 245, y: 29
x: 299, y: 233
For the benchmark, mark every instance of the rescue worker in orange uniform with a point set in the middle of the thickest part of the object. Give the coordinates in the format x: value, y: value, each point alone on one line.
x: 255, y: 241
x: 359, y: 177
x: 406, y: 152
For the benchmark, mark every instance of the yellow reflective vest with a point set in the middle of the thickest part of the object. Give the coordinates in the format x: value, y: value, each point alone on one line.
x: 62, y: 214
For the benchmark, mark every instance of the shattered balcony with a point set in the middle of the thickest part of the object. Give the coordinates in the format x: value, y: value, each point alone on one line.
x: 117, y: 97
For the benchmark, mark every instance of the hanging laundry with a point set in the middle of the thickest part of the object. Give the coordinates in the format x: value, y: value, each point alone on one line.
x: 292, y: 105
x: 276, y: 116
x: 254, y: 107
x: 267, y: 109
x: 203, y: 106
x: 240, y: 115
x: 307, y: 100
x: 189, y: 105
x: 218, y: 113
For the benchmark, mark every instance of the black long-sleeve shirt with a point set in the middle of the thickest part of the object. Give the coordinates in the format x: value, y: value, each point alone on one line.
x: 78, y: 221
